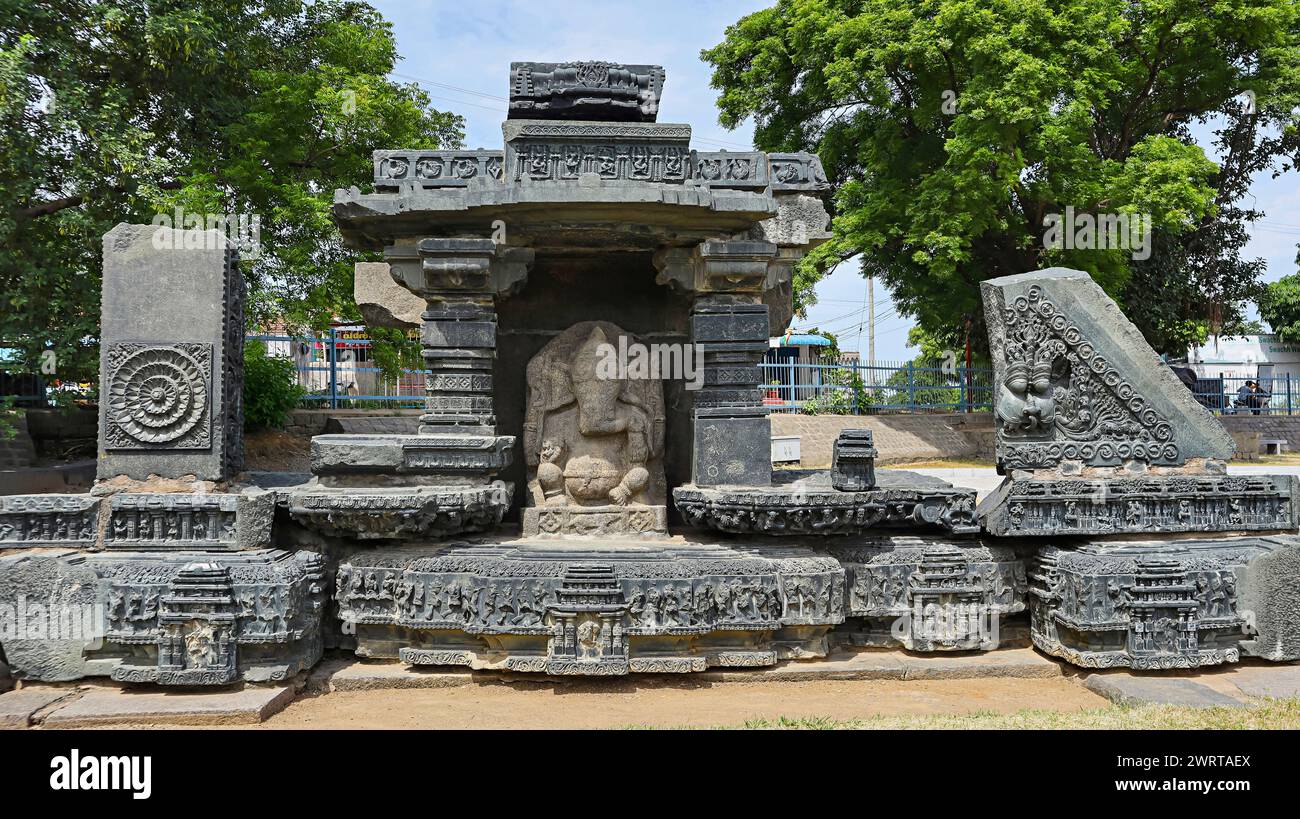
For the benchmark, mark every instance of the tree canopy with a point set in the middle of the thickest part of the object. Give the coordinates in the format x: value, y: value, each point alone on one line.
x: 954, y: 130
x: 117, y: 111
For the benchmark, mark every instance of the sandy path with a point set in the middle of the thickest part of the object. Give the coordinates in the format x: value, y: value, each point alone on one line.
x: 616, y: 705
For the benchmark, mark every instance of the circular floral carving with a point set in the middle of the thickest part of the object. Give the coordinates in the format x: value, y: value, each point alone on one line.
x: 158, y: 394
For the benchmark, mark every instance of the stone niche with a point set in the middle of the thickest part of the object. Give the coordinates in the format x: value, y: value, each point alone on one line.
x: 619, y: 288
x: 593, y: 437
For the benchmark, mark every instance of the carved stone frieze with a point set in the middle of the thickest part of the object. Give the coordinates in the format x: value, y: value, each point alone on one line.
x: 1160, y: 604
x: 401, y: 512
x: 1149, y: 503
x: 927, y: 593
x: 177, y: 618
x: 566, y: 611
x: 48, y: 520
x: 810, y: 506
x: 216, y: 522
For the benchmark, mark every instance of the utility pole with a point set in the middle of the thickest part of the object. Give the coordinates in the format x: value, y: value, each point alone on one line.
x: 871, y: 320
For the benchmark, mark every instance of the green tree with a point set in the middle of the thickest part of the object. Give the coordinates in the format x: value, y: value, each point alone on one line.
x: 118, y: 111
x: 952, y: 129
x: 1279, y: 305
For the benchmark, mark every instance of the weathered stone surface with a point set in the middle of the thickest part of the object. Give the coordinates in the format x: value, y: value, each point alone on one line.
x: 615, y: 609
x: 1129, y: 689
x: 106, y: 705
x: 213, y: 522
x: 172, y: 333
x: 1269, y: 593
x: 1276, y: 681
x: 585, y: 90
x: 452, y: 458
x: 1163, y: 604
x: 1143, y: 503
x: 594, y: 437
x: 1076, y: 381
x: 28, y: 521
x: 928, y: 593
x: 806, y: 504
x: 400, y: 512
x: 175, y: 618
x: 435, y: 169
x: 18, y: 707
x: 382, y: 301
x: 853, y: 461
x: 875, y: 664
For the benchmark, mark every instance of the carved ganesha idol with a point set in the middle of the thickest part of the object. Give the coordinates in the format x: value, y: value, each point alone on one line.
x: 593, y: 440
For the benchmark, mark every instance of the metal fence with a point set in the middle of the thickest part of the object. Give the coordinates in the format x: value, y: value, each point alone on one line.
x: 847, y: 386
x: 337, y: 371
x: 1224, y: 395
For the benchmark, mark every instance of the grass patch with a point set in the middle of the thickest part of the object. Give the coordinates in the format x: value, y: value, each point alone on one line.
x: 1283, y: 714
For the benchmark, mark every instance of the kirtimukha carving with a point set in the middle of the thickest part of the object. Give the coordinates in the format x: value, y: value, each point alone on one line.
x: 593, y: 437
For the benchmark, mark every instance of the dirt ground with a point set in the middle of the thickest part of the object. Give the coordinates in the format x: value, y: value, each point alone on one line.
x: 273, y: 450
x: 603, y: 704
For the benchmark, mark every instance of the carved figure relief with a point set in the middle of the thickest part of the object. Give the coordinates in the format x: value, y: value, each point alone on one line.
x: 591, y: 439
x: 1059, y: 400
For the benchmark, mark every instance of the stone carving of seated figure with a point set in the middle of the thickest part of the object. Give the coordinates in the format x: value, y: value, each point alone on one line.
x: 591, y: 439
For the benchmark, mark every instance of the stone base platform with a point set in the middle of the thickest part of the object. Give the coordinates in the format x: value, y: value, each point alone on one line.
x: 804, y: 503
x: 606, y: 608
x: 840, y: 664
x: 95, y: 706
x: 173, y: 618
x: 1167, y: 604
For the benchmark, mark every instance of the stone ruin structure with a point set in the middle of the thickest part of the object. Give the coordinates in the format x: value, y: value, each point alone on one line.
x: 559, y: 511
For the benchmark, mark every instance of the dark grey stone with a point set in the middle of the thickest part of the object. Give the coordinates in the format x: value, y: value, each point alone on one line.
x: 853, y: 461
x: 1076, y: 382
x: 807, y: 504
x: 1150, y: 605
x: 48, y: 520
x: 175, y: 618
x: 172, y: 337
x: 650, y: 608
x: 435, y: 169
x: 585, y: 90
x: 455, y: 458
x: 190, y: 522
x: 927, y: 593
x: 400, y: 512
x: 1144, y: 503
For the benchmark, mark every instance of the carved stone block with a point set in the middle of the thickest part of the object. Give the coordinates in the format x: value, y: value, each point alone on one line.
x: 585, y: 90
x: 1076, y: 382
x: 853, y: 461
x: 190, y: 522
x: 928, y: 594
x: 806, y: 504
x: 526, y: 606
x: 172, y: 354
x: 186, y: 618
x: 28, y: 521
x: 1166, y: 604
x: 1148, y: 503
x: 400, y: 512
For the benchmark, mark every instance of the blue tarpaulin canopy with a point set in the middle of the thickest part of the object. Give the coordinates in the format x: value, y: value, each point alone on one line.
x: 800, y: 339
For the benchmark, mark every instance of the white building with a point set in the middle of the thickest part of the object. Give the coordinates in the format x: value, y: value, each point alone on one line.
x: 1240, y: 357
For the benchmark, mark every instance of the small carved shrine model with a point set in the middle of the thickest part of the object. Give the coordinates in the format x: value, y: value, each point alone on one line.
x: 560, y: 509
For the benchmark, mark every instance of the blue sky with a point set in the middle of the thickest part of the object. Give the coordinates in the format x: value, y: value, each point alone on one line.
x: 461, y: 55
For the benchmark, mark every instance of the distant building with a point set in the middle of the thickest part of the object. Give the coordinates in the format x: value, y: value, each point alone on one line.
x: 1261, y: 357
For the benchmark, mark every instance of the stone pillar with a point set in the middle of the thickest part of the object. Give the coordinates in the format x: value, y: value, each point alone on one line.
x: 729, y: 321
x: 459, y: 280
x: 172, y: 354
